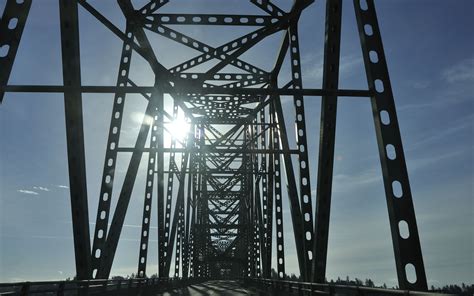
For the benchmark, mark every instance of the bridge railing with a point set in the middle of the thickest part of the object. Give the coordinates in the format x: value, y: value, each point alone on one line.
x: 283, y: 287
x: 150, y: 286
x: 93, y: 287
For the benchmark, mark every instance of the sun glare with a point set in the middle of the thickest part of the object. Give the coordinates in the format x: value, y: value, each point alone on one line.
x: 179, y: 129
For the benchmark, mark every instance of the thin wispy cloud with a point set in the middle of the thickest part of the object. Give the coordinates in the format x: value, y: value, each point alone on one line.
x: 360, y: 179
x: 421, y: 84
x: 346, y: 66
x: 36, y: 190
x: 30, y: 192
x: 40, y: 188
x: 460, y: 72
x: 447, y: 97
x: 457, y: 88
x: 458, y: 126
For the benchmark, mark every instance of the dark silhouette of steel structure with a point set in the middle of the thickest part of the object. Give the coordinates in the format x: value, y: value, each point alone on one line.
x: 219, y: 194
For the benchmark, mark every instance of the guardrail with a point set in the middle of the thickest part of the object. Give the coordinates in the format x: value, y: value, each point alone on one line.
x: 153, y: 285
x: 95, y: 287
x: 282, y: 287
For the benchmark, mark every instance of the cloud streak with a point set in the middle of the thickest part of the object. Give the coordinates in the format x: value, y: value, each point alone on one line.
x: 347, y: 64
x: 40, y: 188
x: 35, y: 190
x: 30, y: 192
x: 460, y: 125
x: 457, y: 82
x: 460, y: 72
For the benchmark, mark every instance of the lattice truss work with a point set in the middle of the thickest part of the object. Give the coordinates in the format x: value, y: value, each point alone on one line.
x: 218, y: 191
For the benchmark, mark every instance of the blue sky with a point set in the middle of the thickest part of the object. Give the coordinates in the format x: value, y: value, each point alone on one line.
x: 430, y: 55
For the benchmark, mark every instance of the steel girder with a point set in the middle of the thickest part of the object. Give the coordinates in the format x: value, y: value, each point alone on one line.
x: 12, y: 24
x: 75, y: 136
x: 395, y: 176
x: 327, y: 137
x: 219, y: 218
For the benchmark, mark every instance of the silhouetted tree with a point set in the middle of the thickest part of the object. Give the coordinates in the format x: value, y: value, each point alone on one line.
x: 369, y: 283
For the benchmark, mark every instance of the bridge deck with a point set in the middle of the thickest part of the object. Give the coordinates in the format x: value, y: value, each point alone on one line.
x: 216, y: 287
x: 190, y: 287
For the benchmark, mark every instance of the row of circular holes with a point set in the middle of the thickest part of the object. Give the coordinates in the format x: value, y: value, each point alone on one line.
x: 245, y: 83
x: 219, y: 98
x: 247, y: 67
x: 299, y: 103
x: 220, y: 111
x: 148, y: 197
x: 218, y: 76
x: 397, y: 188
x: 110, y: 161
x: 269, y: 7
x: 264, y: 180
x: 12, y: 24
x: 178, y: 245
x: 184, y: 39
x: 168, y: 197
x: 296, y: 72
x: 213, y: 19
x: 152, y: 7
x: 278, y: 209
x: 206, y: 49
x: 112, y: 146
x: 257, y: 230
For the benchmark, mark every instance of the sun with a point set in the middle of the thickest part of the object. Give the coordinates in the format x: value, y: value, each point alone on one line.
x: 179, y: 129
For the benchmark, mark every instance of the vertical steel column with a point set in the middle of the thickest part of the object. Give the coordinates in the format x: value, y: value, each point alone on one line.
x: 268, y: 195
x: 305, y: 186
x: 295, y: 210
x: 200, y: 205
x: 160, y: 179
x: 196, y: 191
x: 12, y: 24
x: 179, y: 241
x: 110, y: 162
x: 257, y: 200
x: 149, y: 185
x: 258, y: 239
x: 250, y: 167
x: 327, y: 138
x: 172, y: 168
x: 75, y: 136
x: 205, y: 234
x: 397, y: 187
x: 280, y: 242
x: 187, y: 233
x: 269, y: 205
x: 177, y: 212
x: 180, y: 209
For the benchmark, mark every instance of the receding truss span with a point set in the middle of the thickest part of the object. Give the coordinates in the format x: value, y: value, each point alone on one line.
x: 218, y: 191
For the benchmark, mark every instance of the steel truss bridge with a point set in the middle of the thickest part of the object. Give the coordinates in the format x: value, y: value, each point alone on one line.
x: 219, y: 191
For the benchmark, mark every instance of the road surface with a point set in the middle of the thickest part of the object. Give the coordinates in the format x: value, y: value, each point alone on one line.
x: 214, y: 288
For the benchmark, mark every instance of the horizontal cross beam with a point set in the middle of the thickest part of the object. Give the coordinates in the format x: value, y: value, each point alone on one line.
x: 215, y: 90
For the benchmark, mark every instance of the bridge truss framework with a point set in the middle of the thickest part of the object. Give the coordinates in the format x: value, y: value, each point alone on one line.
x: 219, y: 192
